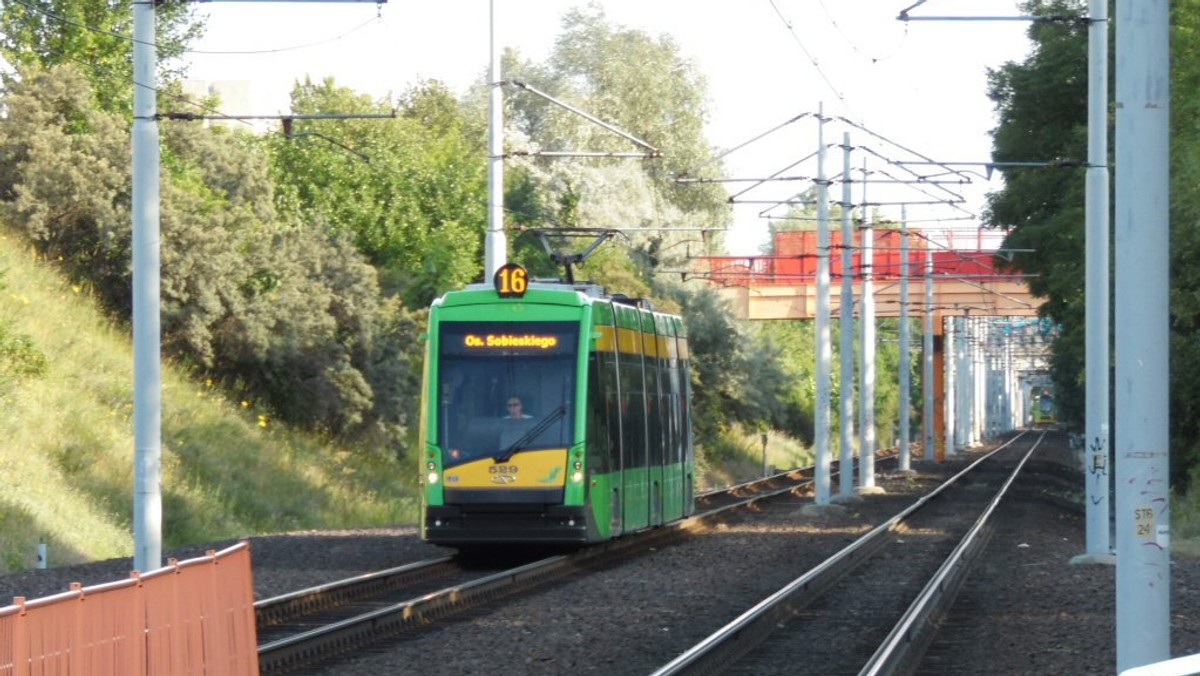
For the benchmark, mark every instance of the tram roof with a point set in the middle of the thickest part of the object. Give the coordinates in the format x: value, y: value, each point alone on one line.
x: 588, y: 290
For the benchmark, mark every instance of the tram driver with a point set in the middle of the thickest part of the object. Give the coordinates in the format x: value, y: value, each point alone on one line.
x: 514, y: 409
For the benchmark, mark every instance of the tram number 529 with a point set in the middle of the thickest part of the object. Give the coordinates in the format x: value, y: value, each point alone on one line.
x: 511, y: 280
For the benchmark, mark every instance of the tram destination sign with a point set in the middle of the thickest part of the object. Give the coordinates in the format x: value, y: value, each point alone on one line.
x: 481, y: 338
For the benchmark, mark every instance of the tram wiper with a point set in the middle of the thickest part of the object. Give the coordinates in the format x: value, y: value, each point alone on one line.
x: 541, y: 426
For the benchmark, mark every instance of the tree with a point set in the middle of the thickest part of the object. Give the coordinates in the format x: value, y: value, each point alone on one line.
x: 738, y: 373
x: 94, y: 35
x: 410, y: 192
x: 63, y: 177
x: 1185, y: 242
x: 286, y: 315
x: 19, y: 355
x: 1043, y: 119
x: 643, y: 86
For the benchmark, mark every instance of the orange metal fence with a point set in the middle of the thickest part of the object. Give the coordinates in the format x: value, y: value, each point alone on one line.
x: 191, y: 617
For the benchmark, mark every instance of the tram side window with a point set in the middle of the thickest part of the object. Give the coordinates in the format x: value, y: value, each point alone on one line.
x: 599, y: 441
x: 685, y: 411
x: 633, y: 413
x: 612, y: 409
x: 653, y: 413
x: 671, y: 398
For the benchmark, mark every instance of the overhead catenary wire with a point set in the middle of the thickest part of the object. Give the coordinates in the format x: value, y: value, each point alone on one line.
x: 815, y: 64
x: 750, y: 141
x: 293, y: 48
x: 853, y: 45
x: 103, y: 31
x: 940, y: 188
x: 212, y: 113
x: 359, y: 27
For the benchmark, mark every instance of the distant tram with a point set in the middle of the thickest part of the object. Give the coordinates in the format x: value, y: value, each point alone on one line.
x: 1044, y: 410
x: 600, y: 443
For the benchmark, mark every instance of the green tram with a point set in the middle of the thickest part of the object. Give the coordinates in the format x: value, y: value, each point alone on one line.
x: 602, y: 443
x: 1044, y: 410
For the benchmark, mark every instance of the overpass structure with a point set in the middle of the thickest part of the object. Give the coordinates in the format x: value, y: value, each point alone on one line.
x: 966, y: 282
x: 990, y: 351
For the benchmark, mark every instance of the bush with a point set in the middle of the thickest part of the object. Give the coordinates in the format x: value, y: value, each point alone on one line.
x: 19, y: 356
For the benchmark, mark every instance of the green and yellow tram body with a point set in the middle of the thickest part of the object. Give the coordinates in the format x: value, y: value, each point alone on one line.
x: 605, y: 445
x: 1044, y: 410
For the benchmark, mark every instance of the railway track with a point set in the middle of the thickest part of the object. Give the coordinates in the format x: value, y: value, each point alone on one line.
x: 903, y: 574
x: 308, y: 626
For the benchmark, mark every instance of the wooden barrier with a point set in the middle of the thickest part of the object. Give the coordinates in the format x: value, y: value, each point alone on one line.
x: 191, y: 617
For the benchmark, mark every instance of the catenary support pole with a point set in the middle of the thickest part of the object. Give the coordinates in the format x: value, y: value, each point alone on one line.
x: 147, y: 362
x: 978, y: 378
x: 905, y: 459
x: 1096, y: 446
x: 1010, y: 378
x: 846, y: 340
x: 866, y: 352
x: 495, y: 244
x: 950, y: 359
x: 1141, y: 448
x: 824, y: 348
x: 929, y: 453
x: 970, y: 381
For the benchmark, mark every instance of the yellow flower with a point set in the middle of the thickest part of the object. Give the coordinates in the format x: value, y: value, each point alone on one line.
x: 262, y: 420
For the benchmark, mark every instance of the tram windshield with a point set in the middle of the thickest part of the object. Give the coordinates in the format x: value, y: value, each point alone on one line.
x: 505, y: 387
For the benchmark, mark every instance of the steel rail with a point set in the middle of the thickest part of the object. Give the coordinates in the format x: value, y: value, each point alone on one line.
x: 284, y: 607
x: 304, y: 648
x: 905, y: 644
x: 740, y: 635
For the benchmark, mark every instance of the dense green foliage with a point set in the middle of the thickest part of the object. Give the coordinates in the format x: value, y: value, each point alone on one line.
x: 804, y: 216
x: 415, y: 205
x: 640, y: 84
x: 281, y: 313
x: 1185, y: 241
x: 93, y: 35
x: 19, y: 356
x: 1043, y: 117
x: 296, y: 266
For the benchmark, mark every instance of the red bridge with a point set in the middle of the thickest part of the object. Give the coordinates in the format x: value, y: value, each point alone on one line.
x: 784, y: 285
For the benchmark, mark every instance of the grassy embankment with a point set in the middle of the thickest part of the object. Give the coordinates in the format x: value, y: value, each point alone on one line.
x: 737, y: 457
x: 66, y: 444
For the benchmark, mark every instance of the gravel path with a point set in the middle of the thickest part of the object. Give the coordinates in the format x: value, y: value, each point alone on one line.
x: 1028, y: 611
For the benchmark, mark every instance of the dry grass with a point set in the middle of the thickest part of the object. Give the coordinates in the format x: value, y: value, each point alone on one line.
x: 227, y: 469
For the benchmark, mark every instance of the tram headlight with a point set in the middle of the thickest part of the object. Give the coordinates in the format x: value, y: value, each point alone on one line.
x: 432, y: 478
x: 577, y: 475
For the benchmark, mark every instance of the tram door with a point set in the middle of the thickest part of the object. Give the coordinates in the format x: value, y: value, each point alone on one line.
x: 674, y: 474
x: 635, y: 469
x: 655, y: 420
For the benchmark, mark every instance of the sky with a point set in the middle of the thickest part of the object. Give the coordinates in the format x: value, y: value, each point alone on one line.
x: 910, y: 91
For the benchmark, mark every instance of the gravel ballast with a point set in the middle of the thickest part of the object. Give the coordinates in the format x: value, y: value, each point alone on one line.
x: 1027, y: 610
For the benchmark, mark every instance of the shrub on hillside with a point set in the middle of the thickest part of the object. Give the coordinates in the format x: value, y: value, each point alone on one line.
x: 282, y: 313
x: 19, y: 356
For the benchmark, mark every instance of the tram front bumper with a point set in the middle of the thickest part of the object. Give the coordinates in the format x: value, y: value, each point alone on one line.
x: 468, y: 524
